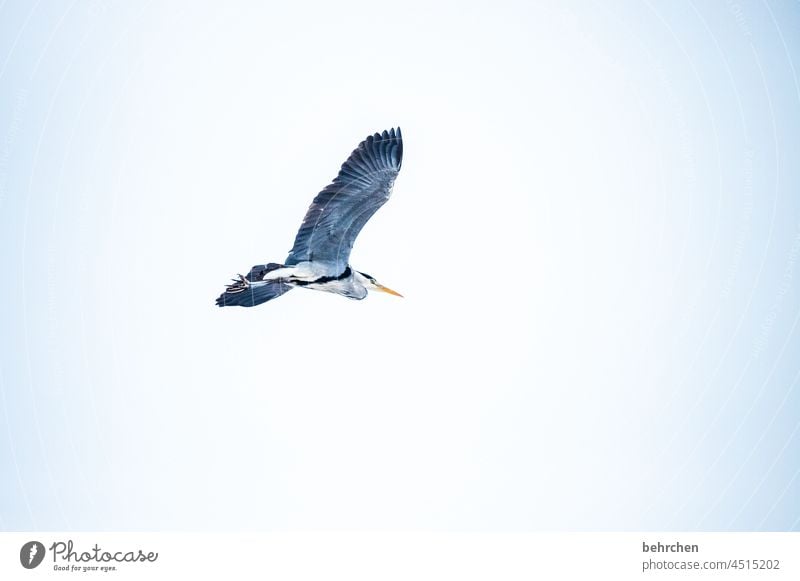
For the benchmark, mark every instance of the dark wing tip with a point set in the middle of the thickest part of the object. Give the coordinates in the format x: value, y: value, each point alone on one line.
x: 221, y: 302
x: 379, y: 151
x: 399, y: 150
x: 390, y: 143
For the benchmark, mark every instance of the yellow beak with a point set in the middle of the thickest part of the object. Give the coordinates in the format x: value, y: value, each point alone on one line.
x: 387, y: 290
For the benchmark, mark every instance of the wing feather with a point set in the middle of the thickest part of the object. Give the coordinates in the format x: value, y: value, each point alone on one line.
x: 339, y: 212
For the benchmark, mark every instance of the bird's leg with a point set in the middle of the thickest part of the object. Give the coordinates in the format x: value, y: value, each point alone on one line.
x: 238, y: 285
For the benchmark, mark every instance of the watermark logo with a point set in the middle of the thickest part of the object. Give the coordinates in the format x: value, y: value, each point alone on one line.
x: 31, y: 554
x: 66, y: 556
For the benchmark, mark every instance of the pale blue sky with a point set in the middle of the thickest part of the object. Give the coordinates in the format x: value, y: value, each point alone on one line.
x: 596, y: 229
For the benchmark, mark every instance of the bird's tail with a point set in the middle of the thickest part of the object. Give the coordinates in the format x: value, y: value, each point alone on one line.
x: 250, y: 291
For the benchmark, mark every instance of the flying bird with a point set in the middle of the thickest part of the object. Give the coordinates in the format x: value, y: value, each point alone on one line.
x: 320, y: 257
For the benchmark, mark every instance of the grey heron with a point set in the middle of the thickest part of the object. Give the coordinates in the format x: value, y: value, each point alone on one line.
x: 320, y: 257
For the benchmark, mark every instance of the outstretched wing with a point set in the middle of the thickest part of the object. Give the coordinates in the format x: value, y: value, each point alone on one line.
x: 339, y: 212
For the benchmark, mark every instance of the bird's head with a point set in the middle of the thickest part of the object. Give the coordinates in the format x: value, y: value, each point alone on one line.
x: 371, y: 284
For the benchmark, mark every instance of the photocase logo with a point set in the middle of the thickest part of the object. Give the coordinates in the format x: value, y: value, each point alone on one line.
x: 31, y: 554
